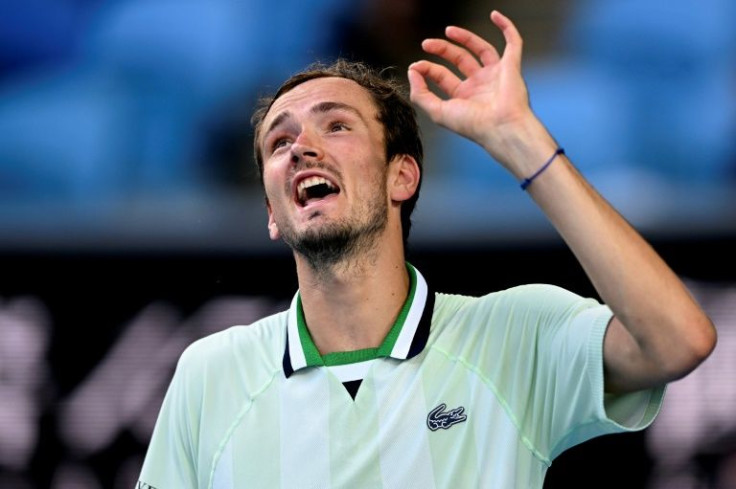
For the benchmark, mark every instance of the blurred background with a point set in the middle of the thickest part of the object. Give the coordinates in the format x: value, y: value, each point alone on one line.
x: 132, y: 220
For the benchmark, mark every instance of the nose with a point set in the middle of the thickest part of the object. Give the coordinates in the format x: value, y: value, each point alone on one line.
x: 306, y: 146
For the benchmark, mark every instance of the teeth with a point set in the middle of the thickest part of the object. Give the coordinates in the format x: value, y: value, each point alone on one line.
x: 311, y: 182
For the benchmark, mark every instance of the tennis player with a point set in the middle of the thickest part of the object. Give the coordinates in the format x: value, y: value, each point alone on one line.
x: 371, y: 378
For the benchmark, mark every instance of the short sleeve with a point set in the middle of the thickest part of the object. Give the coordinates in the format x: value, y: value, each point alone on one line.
x: 171, y: 454
x: 569, y: 392
x: 541, y: 347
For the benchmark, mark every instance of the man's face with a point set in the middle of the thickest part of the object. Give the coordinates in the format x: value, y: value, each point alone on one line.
x: 325, y: 168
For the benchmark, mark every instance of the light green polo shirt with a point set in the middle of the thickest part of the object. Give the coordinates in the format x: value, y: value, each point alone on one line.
x: 464, y: 392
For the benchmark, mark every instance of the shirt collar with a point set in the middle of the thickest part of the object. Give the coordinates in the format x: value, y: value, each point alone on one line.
x: 406, y: 338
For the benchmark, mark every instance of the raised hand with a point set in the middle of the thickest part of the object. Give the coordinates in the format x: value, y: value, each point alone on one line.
x: 488, y: 102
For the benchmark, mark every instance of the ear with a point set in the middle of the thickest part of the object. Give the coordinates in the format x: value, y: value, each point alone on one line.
x: 404, y: 174
x: 273, y: 229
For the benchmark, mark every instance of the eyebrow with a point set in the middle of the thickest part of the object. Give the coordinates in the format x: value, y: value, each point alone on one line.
x: 319, y: 108
x: 323, y: 107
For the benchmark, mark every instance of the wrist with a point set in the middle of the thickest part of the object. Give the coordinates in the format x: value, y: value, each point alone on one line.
x: 521, y: 147
x: 528, y: 180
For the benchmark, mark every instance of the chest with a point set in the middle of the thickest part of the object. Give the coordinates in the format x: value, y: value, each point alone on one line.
x: 425, y: 422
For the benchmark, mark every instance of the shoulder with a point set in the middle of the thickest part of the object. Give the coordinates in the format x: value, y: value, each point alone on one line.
x: 241, y: 349
x: 509, y: 316
x: 528, y: 296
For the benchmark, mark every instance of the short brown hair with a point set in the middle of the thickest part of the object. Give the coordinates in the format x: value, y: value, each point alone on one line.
x: 395, y: 113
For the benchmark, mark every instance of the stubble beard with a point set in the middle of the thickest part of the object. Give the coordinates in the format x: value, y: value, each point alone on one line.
x: 340, y: 242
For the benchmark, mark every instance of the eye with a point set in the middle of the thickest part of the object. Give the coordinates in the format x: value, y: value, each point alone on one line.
x: 337, y: 126
x: 279, y: 143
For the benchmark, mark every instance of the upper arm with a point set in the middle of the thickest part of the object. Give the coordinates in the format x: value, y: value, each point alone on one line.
x: 623, y: 364
x: 631, y: 364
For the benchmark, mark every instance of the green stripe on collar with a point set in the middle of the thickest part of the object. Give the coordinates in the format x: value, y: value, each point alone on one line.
x: 388, y: 343
x: 348, y: 357
x: 312, y: 355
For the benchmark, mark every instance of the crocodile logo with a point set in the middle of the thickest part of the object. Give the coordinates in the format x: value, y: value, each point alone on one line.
x: 438, y: 418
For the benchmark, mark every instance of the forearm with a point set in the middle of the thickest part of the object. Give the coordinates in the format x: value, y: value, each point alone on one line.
x: 660, y: 333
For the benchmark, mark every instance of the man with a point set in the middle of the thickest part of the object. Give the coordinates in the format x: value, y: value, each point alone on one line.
x: 371, y: 379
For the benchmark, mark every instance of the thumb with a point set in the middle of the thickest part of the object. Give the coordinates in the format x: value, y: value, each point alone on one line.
x: 421, y: 95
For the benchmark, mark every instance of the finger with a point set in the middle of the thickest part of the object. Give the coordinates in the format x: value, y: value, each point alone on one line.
x: 474, y: 43
x: 514, y: 42
x: 459, y: 57
x: 438, y: 74
x: 420, y: 94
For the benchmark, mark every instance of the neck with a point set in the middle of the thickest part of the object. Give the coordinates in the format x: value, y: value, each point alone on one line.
x: 353, y: 304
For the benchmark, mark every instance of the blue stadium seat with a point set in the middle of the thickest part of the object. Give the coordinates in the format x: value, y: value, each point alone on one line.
x: 65, y: 137
x: 678, y: 60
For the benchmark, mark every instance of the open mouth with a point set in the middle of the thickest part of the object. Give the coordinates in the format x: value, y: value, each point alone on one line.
x: 314, y: 188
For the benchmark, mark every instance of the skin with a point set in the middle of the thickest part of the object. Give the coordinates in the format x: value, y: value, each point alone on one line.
x: 659, y: 333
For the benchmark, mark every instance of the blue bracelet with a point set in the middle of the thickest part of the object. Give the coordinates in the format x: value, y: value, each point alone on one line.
x: 528, y: 181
